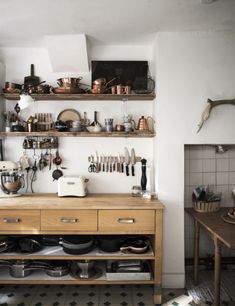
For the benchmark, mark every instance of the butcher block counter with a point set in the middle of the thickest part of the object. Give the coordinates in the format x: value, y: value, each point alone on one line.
x: 95, y: 214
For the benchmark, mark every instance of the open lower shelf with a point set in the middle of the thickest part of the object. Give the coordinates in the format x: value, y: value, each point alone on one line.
x: 145, y: 134
x: 85, y: 97
x: 41, y: 277
x: 57, y: 253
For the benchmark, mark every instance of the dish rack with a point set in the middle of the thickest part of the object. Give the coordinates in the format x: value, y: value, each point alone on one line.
x: 206, y: 206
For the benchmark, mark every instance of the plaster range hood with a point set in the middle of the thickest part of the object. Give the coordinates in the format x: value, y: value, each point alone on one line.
x: 68, y: 52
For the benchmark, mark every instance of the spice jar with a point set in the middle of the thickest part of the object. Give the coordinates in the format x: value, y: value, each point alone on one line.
x: 136, y: 191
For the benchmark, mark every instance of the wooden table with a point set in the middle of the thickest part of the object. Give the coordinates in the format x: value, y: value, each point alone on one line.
x: 220, y: 232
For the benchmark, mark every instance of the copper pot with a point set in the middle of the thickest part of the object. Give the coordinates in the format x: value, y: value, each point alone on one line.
x: 69, y: 82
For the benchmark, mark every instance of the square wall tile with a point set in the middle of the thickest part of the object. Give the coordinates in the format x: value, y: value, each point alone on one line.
x: 222, y: 155
x: 195, y: 179
x: 232, y: 178
x: 231, y: 151
x: 222, y: 164
x: 209, y: 179
x: 208, y: 152
x: 195, y: 152
x: 195, y: 165
x: 222, y: 178
x: 209, y: 165
x: 186, y: 152
x: 186, y: 165
x: 232, y: 164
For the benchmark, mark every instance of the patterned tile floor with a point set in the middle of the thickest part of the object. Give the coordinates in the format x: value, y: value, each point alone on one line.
x: 118, y: 295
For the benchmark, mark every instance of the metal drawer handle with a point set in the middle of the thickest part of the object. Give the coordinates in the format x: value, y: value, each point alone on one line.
x: 126, y: 220
x: 11, y: 220
x: 65, y: 220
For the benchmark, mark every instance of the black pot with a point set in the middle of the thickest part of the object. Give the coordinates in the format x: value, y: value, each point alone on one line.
x: 110, y: 243
x: 7, y: 244
x: 77, y: 244
x: 29, y: 245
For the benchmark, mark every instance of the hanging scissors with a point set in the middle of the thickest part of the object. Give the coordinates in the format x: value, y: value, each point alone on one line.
x: 92, y: 167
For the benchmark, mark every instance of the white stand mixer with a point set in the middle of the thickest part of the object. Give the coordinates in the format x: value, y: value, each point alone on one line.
x: 10, y: 179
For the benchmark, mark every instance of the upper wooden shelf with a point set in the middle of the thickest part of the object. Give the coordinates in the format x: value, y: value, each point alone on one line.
x: 136, y: 134
x: 86, y: 97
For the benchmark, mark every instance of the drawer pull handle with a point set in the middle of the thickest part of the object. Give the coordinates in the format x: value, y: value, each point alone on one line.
x: 11, y: 220
x: 126, y: 220
x: 65, y: 220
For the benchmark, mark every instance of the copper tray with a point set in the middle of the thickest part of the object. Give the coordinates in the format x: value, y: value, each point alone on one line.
x: 68, y: 90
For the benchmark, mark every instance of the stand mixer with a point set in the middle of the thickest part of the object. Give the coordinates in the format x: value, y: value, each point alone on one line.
x: 10, y: 179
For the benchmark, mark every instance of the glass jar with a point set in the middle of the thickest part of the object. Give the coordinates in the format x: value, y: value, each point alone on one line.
x: 136, y: 191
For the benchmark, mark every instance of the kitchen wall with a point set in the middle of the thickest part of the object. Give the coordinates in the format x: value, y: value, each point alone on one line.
x: 205, y: 166
x: 190, y: 68
x: 74, y: 151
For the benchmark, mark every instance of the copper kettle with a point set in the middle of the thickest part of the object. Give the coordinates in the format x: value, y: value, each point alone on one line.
x: 143, y: 124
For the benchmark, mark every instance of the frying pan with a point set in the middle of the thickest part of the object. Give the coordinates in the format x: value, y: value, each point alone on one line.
x: 56, y: 174
x: 31, y: 79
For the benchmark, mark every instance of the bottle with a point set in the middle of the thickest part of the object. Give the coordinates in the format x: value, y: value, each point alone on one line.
x: 143, y: 176
x: 95, y: 119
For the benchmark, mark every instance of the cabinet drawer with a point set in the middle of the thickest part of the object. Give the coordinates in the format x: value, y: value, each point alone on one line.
x: 19, y: 220
x: 69, y: 220
x: 126, y: 220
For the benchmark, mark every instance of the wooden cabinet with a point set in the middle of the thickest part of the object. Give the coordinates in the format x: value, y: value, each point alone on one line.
x: 19, y: 220
x: 47, y: 214
x: 69, y: 220
x: 127, y: 221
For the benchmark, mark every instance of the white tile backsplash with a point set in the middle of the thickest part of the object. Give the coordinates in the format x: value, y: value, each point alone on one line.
x: 203, y: 166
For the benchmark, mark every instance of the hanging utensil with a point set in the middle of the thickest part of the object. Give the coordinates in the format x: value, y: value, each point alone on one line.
x: 127, y: 161
x: 133, y: 161
x: 57, y: 160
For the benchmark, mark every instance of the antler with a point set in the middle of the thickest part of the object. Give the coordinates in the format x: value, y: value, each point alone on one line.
x: 210, y: 104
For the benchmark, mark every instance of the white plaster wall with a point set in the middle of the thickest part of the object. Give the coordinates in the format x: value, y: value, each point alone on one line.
x: 75, y: 151
x: 2, y: 105
x: 190, y: 68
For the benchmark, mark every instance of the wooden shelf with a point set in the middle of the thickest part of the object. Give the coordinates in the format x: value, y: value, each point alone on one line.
x: 79, y: 134
x: 85, y: 97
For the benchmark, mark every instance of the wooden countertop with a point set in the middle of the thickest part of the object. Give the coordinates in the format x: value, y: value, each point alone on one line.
x: 91, y: 201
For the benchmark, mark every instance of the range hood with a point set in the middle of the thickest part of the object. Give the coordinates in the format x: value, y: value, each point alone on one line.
x: 68, y: 52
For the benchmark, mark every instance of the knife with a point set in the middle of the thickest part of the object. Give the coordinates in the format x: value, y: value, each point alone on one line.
x: 127, y: 161
x: 133, y: 161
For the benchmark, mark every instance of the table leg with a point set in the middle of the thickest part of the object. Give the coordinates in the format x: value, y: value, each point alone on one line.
x: 196, y: 250
x: 217, y: 271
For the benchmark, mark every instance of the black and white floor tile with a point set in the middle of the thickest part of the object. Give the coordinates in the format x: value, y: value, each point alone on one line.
x: 118, y: 295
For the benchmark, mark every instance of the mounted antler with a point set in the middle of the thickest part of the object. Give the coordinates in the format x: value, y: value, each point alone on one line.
x: 209, y: 105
